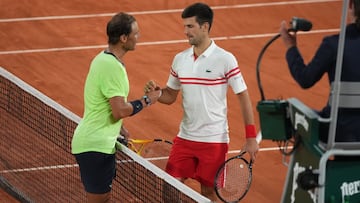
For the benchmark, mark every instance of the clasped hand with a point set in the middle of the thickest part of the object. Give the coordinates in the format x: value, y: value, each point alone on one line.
x: 152, y: 91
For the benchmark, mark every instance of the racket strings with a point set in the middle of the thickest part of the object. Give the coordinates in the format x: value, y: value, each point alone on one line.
x: 157, y: 152
x: 234, y: 180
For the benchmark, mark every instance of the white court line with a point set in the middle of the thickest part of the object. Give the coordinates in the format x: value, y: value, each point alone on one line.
x: 43, y: 168
x: 156, y: 42
x: 39, y: 168
x: 164, y: 11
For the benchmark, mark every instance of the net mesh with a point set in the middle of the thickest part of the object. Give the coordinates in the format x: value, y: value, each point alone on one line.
x: 36, y: 163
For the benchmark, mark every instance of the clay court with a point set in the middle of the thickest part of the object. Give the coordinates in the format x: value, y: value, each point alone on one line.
x: 50, y: 44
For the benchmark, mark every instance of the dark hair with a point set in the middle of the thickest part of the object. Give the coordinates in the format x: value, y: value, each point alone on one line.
x: 357, y: 12
x: 201, y: 11
x: 120, y: 24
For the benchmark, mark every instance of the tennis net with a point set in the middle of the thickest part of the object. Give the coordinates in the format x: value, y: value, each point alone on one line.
x: 36, y: 164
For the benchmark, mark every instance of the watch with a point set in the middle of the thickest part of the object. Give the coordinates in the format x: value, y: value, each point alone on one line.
x: 147, y: 100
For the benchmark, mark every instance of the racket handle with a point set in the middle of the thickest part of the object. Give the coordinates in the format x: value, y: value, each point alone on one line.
x: 122, y: 140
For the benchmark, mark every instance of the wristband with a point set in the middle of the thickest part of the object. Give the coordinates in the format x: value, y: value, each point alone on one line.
x: 137, y: 106
x: 250, y: 131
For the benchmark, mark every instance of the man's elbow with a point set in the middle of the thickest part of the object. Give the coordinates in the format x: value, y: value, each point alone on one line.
x: 119, y: 115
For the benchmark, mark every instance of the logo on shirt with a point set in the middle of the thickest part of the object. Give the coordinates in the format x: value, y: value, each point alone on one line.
x: 208, y: 71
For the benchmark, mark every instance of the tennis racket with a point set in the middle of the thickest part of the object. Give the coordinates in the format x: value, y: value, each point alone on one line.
x: 156, y: 151
x: 233, y: 179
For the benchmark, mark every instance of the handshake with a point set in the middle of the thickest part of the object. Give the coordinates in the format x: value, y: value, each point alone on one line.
x: 152, y: 92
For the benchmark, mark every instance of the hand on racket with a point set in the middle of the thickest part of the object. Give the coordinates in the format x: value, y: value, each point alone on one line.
x: 252, y: 146
x: 233, y: 178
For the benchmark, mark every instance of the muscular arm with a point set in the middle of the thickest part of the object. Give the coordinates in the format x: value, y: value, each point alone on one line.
x: 121, y: 109
x: 251, y: 146
x: 168, y: 96
x: 246, y: 107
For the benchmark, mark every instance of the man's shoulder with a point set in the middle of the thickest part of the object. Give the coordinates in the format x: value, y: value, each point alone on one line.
x: 183, y: 54
x: 186, y: 51
x: 221, y: 52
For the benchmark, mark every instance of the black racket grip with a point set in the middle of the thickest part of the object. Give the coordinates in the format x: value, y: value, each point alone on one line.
x: 123, y: 141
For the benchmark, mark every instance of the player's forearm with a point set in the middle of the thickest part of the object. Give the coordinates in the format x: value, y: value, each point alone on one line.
x: 246, y: 108
x: 168, y: 96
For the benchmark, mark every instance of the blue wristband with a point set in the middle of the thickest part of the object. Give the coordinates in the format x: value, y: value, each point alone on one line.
x: 137, y: 106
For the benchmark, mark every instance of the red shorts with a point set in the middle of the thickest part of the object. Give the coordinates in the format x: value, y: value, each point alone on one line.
x: 197, y: 160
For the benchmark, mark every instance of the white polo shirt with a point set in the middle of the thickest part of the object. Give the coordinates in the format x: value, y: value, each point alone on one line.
x: 204, y: 83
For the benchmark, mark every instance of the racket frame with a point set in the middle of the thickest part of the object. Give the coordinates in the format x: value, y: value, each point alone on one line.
x: 222, y: 170
x: 130, y: 143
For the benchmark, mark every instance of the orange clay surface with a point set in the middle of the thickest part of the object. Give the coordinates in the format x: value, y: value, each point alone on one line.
x: 53, y: 55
